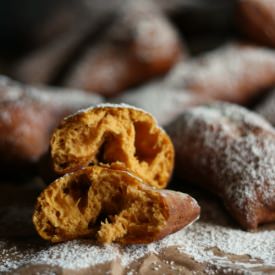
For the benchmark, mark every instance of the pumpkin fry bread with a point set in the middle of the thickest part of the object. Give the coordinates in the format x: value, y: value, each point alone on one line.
x: 229, y: 151
x: 117, y: 135
x: 110, y: 206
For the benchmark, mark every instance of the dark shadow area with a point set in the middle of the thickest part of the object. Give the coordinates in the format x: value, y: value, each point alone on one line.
x: 16, y: 206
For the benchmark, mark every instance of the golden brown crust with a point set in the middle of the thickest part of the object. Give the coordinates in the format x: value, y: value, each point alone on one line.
x: 120, y: 135
x: 229, y: 151
x: 181, y: 210
x: 140, y: 45
x: 110, y: 205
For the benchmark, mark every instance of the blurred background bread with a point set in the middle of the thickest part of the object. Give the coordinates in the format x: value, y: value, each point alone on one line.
x: 163, y: 56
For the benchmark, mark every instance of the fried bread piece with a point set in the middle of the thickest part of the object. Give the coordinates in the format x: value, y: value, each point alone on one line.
x: 235, y: 72
x: 118, y: 135
x: 140, y: 45
x: 230, y: 151
x: 28, y: 116
x: 110, y: 206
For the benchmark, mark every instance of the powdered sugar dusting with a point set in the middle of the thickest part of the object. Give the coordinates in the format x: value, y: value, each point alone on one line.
x: 142, y: 23
x: 70, y: 97
x: 108, y: 105
x: 237, y: 148
x: 202, y: 236
x: 196, y: 241
x: 73, y: 255
x: 14, y: 91
x: 52, y: 101
x: 224, y: 74
x: 90, y: 255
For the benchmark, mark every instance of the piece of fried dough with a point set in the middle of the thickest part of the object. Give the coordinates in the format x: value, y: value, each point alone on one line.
x: 28, y: 116
x: 235, y: 72
x: 110, y: 206
x: 140, y: 45
x: 120, y: 135
x: 230, y: 151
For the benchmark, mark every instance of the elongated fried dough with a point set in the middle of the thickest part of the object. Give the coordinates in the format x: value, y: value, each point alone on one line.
x: 231, y: 152
x: 28, y: 116
x: 140, y: 45
x: 235, y: 72
x: 110, y: 206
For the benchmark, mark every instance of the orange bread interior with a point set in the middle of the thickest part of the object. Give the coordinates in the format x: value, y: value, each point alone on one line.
x: 94, y: 203
x: 114, y: 135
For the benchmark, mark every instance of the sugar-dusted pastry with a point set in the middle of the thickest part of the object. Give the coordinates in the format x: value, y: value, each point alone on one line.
x: 110, y: 206
x: 256, y: 18
x: 235, y: 72
x: 230, y: 151
x: 140, y: 45
x: 163, y: 102
x: 28, y: 116
x: 120, y: 135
